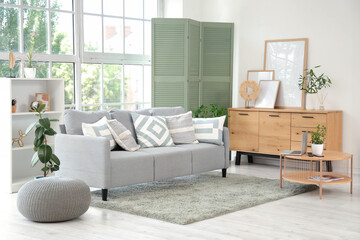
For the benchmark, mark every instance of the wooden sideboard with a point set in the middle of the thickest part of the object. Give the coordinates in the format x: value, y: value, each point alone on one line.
x: 271, y: 131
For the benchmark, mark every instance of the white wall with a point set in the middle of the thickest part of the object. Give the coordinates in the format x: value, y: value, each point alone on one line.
x: 333, y: 30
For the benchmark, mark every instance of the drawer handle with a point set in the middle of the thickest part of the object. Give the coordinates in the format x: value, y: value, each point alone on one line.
x: 307, y: 117
x: 274, y: 115
x: 244, y: 114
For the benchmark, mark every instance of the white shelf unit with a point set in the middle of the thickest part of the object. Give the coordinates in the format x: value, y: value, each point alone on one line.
x: 18, y: 170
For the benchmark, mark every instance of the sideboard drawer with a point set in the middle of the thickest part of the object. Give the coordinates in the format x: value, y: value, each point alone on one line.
x: 244, y: 130
x: 274, y: 132
x: 307, y: 120
x: 296, y: 133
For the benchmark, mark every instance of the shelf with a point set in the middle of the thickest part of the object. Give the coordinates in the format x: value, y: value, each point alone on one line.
x: 33, y: 113
x: 27, y: 147
x: 303, y: 177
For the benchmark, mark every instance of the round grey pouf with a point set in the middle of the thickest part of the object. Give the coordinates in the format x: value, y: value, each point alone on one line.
x: 53, y: 199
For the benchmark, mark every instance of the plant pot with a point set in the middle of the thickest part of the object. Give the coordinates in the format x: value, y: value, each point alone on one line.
x: 317, y: 149
x: 13, y: 108
x: 30, y: 72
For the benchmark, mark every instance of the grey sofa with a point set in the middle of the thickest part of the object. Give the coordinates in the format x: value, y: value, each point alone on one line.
x: 90, y: 158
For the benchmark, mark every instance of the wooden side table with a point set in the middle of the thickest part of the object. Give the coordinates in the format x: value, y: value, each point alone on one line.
x: 310, y: 170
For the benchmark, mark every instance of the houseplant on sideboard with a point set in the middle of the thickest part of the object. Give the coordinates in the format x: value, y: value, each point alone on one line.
x: 317, y: 140
x: 313, y: 84
x: 43, y: 151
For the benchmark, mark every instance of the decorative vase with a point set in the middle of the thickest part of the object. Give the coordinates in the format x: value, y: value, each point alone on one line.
x: 13, y: 108
x: 30, y: 72
x: 317, y: 149
x: 321, y: 98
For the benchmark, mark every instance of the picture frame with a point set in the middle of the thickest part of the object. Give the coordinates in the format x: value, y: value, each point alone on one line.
x: 268, y: 92
x: 257, y: 75
x: 43, y: 98
x: 288, y: 57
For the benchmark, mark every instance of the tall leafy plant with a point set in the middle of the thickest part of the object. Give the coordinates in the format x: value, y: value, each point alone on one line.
x: 210, y: 111
x: 43, y: 151
x: 312, y: 83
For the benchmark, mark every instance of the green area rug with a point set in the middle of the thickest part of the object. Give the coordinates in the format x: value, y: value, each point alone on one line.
x: 197, y: 197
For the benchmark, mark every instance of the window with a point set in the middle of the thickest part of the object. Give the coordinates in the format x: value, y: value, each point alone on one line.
x: 103, y: 54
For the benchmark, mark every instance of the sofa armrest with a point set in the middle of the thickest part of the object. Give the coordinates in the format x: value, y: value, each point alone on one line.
x: 226, y: 140
x: 85, y: 158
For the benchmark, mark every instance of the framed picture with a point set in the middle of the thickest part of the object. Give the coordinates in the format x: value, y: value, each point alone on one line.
x: 268, y: 91
x: 257, y: 75
x: 288, y: 57
x: 43, y: 98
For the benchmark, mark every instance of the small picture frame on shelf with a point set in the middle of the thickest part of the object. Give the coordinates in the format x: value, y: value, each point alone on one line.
x: 268, y: 91
x: 43, y: 98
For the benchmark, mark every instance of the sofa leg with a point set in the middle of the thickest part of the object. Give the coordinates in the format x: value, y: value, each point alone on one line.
x: 238, y: 158
x: 224, y: 172
x: 104, y: 193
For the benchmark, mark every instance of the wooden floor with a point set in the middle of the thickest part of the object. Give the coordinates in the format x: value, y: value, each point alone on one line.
x: 337, y: 216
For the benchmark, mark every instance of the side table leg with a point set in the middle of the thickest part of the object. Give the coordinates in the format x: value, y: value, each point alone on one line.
x: 351, y: 170
x: 321, y: 173
x: 280, y: 171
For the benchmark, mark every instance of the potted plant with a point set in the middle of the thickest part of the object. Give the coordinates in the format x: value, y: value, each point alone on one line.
x: 30, y: 70
x: 317, y: 140
x: 312, y: 84
x: 13, y: 105
x: 43, y: 151
x: 209, y: 112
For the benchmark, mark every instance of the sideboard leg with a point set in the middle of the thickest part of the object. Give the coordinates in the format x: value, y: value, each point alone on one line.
x: 250, y: 158
x: 224, y: 172
x: 104, y: 193
x: 238, y: 158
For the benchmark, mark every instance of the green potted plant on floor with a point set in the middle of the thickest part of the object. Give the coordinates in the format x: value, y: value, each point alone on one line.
x: 317, y: 140
x: 43, y: 151
x: 209, y: 112
x: 313, y: 84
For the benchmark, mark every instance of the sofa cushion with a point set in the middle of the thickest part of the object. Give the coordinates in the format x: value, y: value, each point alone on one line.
x: 205, y: 156
x: 151, y: 131
x: 181, y: 128
x: 166, y: 111
x: 209, y: 130
x: 122, y: 135
x: 129, y: 168
x: 124, y: 117
x: 73, y: 120
x: 99, y: 129
x: 170, y: 162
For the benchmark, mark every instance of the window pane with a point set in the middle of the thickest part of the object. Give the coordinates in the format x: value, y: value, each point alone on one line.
x: 92, y: 34
x: 113, y: 7
x: 147, y: 38
x: 130, y: 107
x: 112, y: 83
x: 90, y: 108
x: 5, y: 71
x: 150, y: 9
x: 65, y: 71
x: 90, y: 83
x: 9, y: 1
x: 113, y: 34
x: 35, y: 3
x: 92, y: 6
x: 133, y: 37
x: 147, y: 84
x: 35, y: 30
x: 62, y: 4
x: 9, y: 29
x: 42, y: 69
x: 133, y: 84
x: 61, y: 33
x: 134, y: 8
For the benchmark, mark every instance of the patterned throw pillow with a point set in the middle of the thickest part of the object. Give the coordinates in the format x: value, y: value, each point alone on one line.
x: 122, y: 135
x: 151, y: 131
x: 209, y: 130
x: 181, y: 128
x: 99, y: 129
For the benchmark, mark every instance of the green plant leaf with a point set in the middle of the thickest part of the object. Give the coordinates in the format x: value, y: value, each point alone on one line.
x: 45, y: 169
x: 39, y: 132
x: 55, y: 159
x: 44, y: 153
x: 56, y: 167
x: 50, y: 132
x: 30, y: 127
x: 34, y: 160
x: 45, y: 123
x: 38, y: 141
x: 41, y: 108
x: 53, y: 120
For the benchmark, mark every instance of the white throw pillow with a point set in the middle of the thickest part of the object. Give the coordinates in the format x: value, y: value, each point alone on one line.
x: 209, y: 130
x: 122, y: 135
x: 181, y: 128
x: 99, y: 129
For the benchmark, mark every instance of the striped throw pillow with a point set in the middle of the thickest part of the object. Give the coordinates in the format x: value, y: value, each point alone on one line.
x: 99, y: 129
x: 122, y: 135
x: 181, y: 128
x: 151, y: 131
x: 209, y: 130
